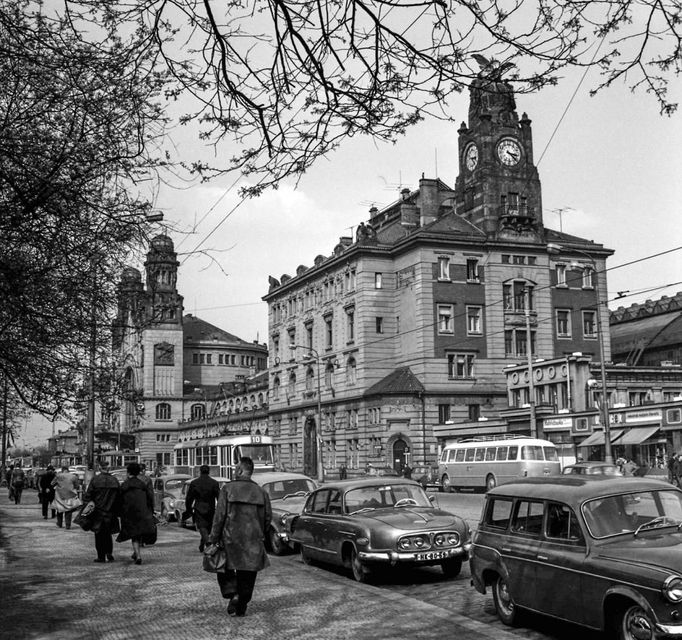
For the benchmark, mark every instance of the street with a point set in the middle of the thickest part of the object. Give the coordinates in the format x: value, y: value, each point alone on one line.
x: 49, y: 571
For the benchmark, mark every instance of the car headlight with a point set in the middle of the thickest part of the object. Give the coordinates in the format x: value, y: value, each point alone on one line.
x: 453, y: 539
x: 439, y: 539
x: 405, y: 543
x: 672, y: 589
x: 419, y: 542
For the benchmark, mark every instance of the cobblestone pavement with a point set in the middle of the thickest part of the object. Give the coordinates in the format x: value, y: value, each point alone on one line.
x: 51, y: 589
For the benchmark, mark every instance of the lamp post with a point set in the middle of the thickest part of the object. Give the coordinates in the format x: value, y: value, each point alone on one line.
x: 604, y: 404
x: 318, y: 438
x: 203, y: 393
x: 531, y: 377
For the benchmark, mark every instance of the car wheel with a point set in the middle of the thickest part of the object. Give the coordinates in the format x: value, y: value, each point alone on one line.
x: 359, y: 570
x: 635, y: 624
x: 504, y: 604
x: 490, y: 482
x: 276, y: 545
x: 445, y: 483
x: 306, y: 559
x: 451, y: 567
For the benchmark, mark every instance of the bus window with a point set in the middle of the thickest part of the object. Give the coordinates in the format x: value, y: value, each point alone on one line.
x: 470, y: 455
x: 513, y: 453
x: 551, y: 454
x: 480, y: 454
x: 444, y: 455
x: 452, y: 455
x: 460, y: 455
x: 490, y: 454
x: 502, y: 453
x: 532, y: 452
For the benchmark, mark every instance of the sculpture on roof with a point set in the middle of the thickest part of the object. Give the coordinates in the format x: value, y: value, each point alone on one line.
x: 491, y: 95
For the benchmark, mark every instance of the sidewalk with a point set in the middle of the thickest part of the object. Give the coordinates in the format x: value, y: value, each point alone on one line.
x: 50, y: 588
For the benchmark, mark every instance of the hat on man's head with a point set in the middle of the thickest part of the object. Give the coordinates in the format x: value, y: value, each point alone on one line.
x: 104, y: 464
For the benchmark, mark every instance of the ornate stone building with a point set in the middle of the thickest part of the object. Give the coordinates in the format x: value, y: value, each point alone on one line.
x: 408, y: 326
x: 182, y: 377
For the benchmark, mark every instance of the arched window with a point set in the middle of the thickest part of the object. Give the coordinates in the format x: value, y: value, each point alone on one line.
x: 351, y: 374
x: 329, y: 375
x: 275, y: 388
x: 260, y: 399
x: 238, y: 405
x: 163, y: 411
x: 230, y: 407
x: 309, y: 379
x: 291, y: 389
x: 198, y: 411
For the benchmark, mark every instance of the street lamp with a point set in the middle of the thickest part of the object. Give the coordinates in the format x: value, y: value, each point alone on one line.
x: 529, y: 353
x: 604, y: 404
x: 318, y: 438
x: 203, y: 393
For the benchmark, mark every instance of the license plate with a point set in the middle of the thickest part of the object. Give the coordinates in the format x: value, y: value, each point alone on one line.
x: 433, y: 555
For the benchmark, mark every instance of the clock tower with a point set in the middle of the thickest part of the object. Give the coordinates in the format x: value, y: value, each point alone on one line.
x: 498, y: 187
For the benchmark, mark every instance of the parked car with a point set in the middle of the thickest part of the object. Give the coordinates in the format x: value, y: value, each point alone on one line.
x: 288, y: 493
x: 371, y: 470
x: 179, y: 503
x: 597, y: 552
x: 426, y: 476
x: 167, y: 489
x: 592, y: 469
x: 369, y: 522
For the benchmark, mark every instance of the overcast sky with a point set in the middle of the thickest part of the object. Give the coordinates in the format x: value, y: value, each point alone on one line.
x: 613, y: 165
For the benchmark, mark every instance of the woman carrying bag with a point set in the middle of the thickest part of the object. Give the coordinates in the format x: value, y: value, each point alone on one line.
x: 137, y: 512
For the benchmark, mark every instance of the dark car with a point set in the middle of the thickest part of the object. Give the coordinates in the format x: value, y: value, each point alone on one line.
x: 167, y: 489
x: 383, y: 521
x: 592, y: 469
x: 288, y: 493
x: 595, y: 551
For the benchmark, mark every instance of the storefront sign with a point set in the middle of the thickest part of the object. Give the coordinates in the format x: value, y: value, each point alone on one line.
x: 648, y: 415
x: 555, y: 424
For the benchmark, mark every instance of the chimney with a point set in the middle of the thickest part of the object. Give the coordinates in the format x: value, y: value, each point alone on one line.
x: 428, y: 193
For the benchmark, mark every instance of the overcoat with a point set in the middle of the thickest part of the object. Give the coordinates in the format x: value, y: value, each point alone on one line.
x: 137, y: 509
x: 202, y: 494
x: 103, y: 491
x: 66, y: 491
x: 241, y: 519
x: 45, y: 486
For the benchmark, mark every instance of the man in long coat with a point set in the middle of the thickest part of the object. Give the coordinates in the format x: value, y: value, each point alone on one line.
x: 241, y: 520
x: 104, y: 491
x: 202, y: 494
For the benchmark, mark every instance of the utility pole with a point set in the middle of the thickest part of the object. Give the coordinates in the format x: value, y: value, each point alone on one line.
x: 5, y: 396
x: 531, y: 377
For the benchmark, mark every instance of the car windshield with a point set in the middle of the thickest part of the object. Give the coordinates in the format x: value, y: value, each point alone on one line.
x: 281, y: 488
x: 385, y: 495
x: 174, y: 486
x: 627, y: 512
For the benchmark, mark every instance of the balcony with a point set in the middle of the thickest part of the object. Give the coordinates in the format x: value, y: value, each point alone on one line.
x: 519, y: 217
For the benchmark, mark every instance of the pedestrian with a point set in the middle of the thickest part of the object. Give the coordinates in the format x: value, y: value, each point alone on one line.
x: 137, y: 511
x: 103, y: 490
x: 343, y: 471
x: 200, y: 501
x: 17, y: 480
x: 46, y: 491
x: 629, y: 467
x: 241, y: 519
x: 66, y: 498
x: 145, y: 478
x: 407, y: 471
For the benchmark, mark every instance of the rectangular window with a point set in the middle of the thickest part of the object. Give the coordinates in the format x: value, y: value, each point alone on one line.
x: 309, y: 335
x: 474, y: 412
x: 209, y: 357
x: 202, y: 358
x: 460, y: 365
x: 378, y: 280
x: 445, y: 319
x: 561, y: 275
x: 563, y: 323
x: 443, y: 413
x: 472, y: 270
x: 291, y: 333
x: 528, y: 518
x: 519, y: 259
x: 350, y: 325
x: 498, y: 513
x: 515, y: 342
x: 588, y: 278
x: 195, y: 358
x: 443, y: 268
x: 329, y: 332
x: 505, y: 258
x: 474, y: 325
x: 379, y: 325
x: 221, y: 358
x: 589, y: 324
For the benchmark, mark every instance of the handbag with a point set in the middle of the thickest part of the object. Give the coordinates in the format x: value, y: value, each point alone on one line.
x: 84, y: 518
x: 215, y: 558
x: 149, y: 538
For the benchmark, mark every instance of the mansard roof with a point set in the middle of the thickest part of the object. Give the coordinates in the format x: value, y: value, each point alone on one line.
x: 198, y: 330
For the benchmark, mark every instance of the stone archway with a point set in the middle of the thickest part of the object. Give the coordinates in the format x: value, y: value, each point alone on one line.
x: 400, y: 451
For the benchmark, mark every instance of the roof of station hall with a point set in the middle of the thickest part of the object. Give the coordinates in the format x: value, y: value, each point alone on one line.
x: 198, y: 330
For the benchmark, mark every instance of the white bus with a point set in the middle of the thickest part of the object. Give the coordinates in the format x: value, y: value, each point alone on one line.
x: 488, y: 461
x: 222, y: 454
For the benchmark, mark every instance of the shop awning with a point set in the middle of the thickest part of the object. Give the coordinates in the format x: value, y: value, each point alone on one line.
x: 637, y: 436
x: 597, y: 438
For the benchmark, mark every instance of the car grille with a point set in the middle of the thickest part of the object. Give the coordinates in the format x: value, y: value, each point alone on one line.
x: 429, y: 541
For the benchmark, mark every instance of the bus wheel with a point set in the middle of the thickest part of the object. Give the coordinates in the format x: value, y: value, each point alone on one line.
x: 490, y: 482
x: 445, y: 483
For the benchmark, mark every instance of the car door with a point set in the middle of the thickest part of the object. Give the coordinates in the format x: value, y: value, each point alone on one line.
x: 560, y: 564
x: 309, y: 529
x: 520, y: 550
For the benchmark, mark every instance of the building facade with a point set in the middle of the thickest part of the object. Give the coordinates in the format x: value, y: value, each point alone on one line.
x: 178, y: 373
x: 405, y: 330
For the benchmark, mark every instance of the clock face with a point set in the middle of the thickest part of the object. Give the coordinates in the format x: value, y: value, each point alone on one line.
x: 509, y: 152
x: 471, y: 156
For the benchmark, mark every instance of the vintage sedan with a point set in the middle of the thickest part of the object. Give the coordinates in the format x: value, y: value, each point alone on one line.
x: 592, y: 469
x: 370, y: 522
x: 167, y: 489
x: 596, y: 551
x: 288, y: 493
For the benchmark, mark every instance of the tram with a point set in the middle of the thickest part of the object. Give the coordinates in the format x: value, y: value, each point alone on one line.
x: 222, y: 454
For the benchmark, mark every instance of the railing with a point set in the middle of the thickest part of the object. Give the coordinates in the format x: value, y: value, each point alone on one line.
x: 517, y: 210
